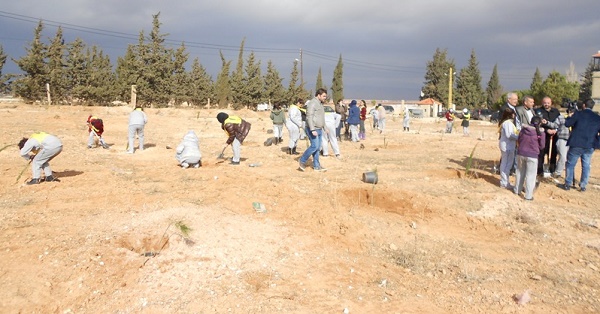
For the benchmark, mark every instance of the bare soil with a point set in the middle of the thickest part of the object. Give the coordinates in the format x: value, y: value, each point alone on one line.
x: 430, y: 237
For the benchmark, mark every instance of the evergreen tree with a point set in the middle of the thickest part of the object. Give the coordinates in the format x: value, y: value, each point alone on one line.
x: 237, y: 80
x: 494, y: 90
x: 56, y: 70
x: 253, y: 82
x: 337, y: 84
x: 32, y: 85
x: 585, y: 89
x: 436, y: 77
x: 273, y: 87
x: 294, y: 91
x: 222, y: 85
x: 3, y: 78
x: 202, y: 85
x: 557, y: 88
x: 76, y: 71
x: 469, y: 92
x: 128, y: 72
x: 181, y: 87
x: 319, y: 80
x: 535, y: 87
x: 101, y: 85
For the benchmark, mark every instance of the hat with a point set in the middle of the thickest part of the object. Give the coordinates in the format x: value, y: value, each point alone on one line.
x: 222, y: 116
x: 465, y: 110
x: 353, y: 102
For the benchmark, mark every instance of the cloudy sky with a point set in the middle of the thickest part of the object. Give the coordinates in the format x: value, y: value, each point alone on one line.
x: 384, y: 44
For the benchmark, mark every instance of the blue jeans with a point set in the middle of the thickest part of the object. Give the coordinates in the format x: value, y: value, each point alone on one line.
x: 586, y: 158
x: 315, y: 147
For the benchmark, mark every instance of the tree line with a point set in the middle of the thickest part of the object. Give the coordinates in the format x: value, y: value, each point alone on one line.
x: 470, y: 94
x: 78, y: 74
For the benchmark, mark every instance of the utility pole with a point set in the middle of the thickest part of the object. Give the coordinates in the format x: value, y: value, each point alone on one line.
x: 450, y: 89
x: 301, y: 71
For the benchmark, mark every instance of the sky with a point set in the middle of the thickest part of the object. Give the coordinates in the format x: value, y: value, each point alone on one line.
x: 384, y: 44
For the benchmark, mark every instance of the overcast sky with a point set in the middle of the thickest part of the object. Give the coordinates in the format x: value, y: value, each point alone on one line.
x: 385, y: 44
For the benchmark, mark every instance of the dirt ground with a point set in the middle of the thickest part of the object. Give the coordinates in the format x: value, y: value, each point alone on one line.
x: 135, y: 233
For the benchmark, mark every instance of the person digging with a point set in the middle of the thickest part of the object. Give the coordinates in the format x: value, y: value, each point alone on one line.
x: 95, y: 130
x: 40, y: 149
x: 236, y: 129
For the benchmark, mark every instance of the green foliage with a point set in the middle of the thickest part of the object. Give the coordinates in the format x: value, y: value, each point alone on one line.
x: 470, y: 161
x: 468, y: 85
x: 556, y: 87
x: 223, y: 86
x: 319, y: 80
x: 273, y: 90
x: 493, y: 91
x: 202, y: 89
x: 294, y: 90
x: 253, y: 82
x: 585, y: 90
x: 436, y: 76
x: 535, y: 88
x: 337, y: 84
x: 237, y: 80
x: 31, y: 85
x: 3, y: 78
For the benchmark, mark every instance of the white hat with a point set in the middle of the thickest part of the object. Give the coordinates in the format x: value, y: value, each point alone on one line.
x: 465, y: 110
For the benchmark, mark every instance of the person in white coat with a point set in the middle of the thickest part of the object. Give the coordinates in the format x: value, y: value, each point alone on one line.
x: 137, y: 121
x: 294, y: 125
x: 332, y: 121
x: 188, y: 152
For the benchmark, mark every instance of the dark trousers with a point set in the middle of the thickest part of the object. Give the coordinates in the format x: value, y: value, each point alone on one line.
x: 543, y: 153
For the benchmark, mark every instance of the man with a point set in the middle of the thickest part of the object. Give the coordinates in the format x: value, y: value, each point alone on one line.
x: 188, y: 151
x: 524, y: 113
x: 40, y: 148
x: 381, y: 116
x: 511, y: 102
x: 340, y: 108
x: 449, y: 120
x: 585, y: 126
x: 315, y: 123
x: 549, y: 115
x: 95, y: 130
x: 137, y: 122
x: 332, y: 120
x: 237, y: 129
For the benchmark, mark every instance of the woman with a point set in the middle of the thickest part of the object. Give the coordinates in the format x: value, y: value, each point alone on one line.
x: 362, y: 133
x: 530, y: 142
x: 508, y: 144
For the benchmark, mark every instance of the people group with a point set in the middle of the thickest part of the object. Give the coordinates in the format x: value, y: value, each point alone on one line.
x: 535, y: 142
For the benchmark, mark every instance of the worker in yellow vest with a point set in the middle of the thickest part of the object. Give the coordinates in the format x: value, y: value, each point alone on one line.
x: 39, y: 149
x: 236, y: 129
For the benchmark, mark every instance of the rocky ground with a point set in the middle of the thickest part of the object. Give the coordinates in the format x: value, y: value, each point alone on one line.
x: 135, y: 233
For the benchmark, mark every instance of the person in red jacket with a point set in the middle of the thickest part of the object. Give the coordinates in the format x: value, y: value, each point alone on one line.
x: 237, y: 129
x: 362, y: 133
x: 95, y: 130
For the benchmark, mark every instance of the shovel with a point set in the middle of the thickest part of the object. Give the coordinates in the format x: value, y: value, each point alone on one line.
x: 221, y: 155
x: 546, y: 166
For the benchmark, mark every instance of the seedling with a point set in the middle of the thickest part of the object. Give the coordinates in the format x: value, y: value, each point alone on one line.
x: 470, y: 161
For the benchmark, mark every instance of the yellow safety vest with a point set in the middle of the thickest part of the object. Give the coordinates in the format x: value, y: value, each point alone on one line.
x: 39, y: 136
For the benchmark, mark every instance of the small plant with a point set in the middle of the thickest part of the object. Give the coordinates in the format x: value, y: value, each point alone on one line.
x: 184, y: 232
x: 470, y: 161
x: 7, y: 146
x: 385, y: 142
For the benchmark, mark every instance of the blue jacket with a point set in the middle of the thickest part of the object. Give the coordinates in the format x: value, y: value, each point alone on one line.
x: 353, y: 115
x: 585, y: 126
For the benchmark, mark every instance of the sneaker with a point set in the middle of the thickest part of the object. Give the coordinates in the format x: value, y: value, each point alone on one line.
x: 235, y: 163
x: 199, y: 164
x: 320, y: 169
x: 51, y: 179
x: 582, y: 189
x: 184, y: 165
x: 33, y: 181
x: 529, y: 199
x: 338, y: 156
x: 565, y: 187
x: 105, y: 146
x: 89, y: 146
x: 300, y: 166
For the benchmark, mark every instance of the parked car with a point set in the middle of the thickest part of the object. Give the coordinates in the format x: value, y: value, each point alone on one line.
x: 416, y: 113
x: 328, y: 109
x: 262, y: 107
x: 388, y: 109
x: 481, y: 114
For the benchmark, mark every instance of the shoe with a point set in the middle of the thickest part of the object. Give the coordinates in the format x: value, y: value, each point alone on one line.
x: 565, y: 187
x: 338, y: 156
x: 184, y: 165
x: 300, y: 166
x: 289, y: 151
x: 529, y: 199
x: 89, y: 146
x: 294, y: 152
x: 582, y: 189
x: 51, y: 179
x: 105, y: 146
x: 199, y: 164
x: 234, y: 163
x: 33, y: 181
x: 320, y: 169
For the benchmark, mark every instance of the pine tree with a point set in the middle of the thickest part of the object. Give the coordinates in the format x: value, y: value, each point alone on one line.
x: 436, y: 77
x: 237, y: 80
x: 181, y: 87
x: 128, y: 72
x: 253, y: 82
x: 101, y: 85
x: 319, y: 80
x: 337, y: 84
x: 294, y: 91
x: 535, y: 86
x: 202, y: 84
x: 222, y: 85
x: 56, y: 73
x: 3, y: 78
x: 469, y: 92
x: 273, y: 87
x: 494, y: 90
x: 585, y: 89
x: 32, y: 85
x: 76, y: 71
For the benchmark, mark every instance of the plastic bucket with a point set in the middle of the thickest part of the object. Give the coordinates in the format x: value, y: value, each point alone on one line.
x: 370, y: 177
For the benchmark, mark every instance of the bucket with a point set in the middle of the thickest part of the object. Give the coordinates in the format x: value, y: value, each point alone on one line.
x: 370, y: 177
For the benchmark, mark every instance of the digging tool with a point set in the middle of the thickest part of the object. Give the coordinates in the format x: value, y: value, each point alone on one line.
x: 546, y: 166
x: 21, y: 173
x: 7, y: 146
x: 100, y: 141
x: 221, y: 155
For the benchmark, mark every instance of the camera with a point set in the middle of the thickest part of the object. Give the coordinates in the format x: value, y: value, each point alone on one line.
x: 571, y: 105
